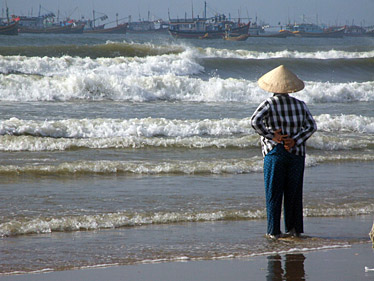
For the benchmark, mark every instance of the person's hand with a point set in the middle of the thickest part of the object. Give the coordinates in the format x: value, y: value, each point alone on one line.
x: 288, y: 143
x: 278, y: 137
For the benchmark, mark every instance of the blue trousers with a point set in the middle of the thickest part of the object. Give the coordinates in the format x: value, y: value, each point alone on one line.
x: 284, y: 176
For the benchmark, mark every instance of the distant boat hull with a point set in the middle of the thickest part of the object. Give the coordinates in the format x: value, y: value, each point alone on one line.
x: 242, y: 37
x: 274, y: 35
x: 10, y: 29
x: 214, y: 34
x: 327, y: 34
x: 119, y: 29
x: 69, y: 29
x: 150, y: 31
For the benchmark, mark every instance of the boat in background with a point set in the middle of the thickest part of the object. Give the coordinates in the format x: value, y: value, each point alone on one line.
x: 214, y: 27
x: 208, y: 33
x: 230, y: 37
x: 206, y: 28
x: 48, y: 24
x: 280, y: 34
x: 66, y: 29
x: 10, y: 26
x: 9, y: 29
x: 147, y: 26
x: 119, y: 29
x: 91, y: 27
x: 313, y: 31
x: 357, y: 31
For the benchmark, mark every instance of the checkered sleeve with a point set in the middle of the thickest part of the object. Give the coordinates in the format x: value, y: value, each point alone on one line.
x: 309, y: 126
x: 257, y: 120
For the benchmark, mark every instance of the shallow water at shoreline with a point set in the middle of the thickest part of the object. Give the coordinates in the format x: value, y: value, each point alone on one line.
x: 138, y: 219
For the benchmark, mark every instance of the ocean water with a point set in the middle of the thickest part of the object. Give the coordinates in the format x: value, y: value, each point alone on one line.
x: 123, y: 149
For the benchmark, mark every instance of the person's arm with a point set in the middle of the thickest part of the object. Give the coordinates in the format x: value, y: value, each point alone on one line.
x: 309, y: 127
x: 257, y: 120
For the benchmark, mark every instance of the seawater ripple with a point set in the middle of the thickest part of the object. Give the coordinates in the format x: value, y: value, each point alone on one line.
x: 127, y: 48
x: 162, y: 127
x: 167, y: 167
x: 45, y: 224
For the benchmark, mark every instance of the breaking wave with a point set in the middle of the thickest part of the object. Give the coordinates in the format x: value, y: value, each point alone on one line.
x: 170, y: 128
x: 162, y: 167
x: 37, y: 225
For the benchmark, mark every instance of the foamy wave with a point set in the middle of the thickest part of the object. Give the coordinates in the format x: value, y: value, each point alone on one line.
x: 326, y: 92
x: 318, y: 141
x: 339, y: 211
x: 245, y: 54
x: 116, y: 220
x: 312, y: 160
x: 145, y: 127
x: 162, y: 167
x: 29, y: 143
x: 162, y: 127
x: 345, y: 123
x: 178, y: 64
x: 24, y: 226
x: 170, y: 86
x: 340, y: 141
x: 221, y: 166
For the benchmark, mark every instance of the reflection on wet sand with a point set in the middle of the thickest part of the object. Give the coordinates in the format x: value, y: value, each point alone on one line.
x: 293, y: 267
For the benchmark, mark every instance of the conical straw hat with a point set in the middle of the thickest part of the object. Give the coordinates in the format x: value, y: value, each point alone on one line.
x: 280, y: 80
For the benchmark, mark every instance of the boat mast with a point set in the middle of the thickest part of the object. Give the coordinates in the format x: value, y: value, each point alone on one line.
x: 205, y: 9
x: 7, y: 11
x: 93, y: 18
x: 192, y: 9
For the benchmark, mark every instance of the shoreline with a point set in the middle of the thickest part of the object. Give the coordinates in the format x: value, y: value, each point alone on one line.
x: 346, y: 263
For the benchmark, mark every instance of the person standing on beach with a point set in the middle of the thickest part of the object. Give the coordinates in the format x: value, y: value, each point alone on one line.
x: 284, y: 124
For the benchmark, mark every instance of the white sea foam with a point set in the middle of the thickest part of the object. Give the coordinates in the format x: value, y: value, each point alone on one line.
x: 41, y: 224
x: 29, y: 143
x: 162, y: 127
x: 246, y: 54
x: 169, y: 87
x: 116, y: 220
x: 145, y: 127
x: 214, y: 166
x: 345, y: 123
x: 160, y: 167
x: 163, y: 77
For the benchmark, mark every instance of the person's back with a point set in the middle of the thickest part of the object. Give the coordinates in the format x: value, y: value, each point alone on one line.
x: 287, y: 113
x: 284, y: 124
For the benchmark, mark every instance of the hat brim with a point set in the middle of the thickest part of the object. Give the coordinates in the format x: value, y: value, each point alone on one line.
x: 281, y: 80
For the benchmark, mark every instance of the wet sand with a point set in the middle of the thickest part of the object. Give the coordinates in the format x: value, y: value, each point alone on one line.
x: 333, y: 264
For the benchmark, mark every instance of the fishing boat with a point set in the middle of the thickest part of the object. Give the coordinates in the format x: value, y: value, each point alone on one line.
x: 241, y: 37
x: 119, y: 29
x: 280, y: 34
x: 9, y: 29
x: 212, y: 28
x: 56, y: 29
x: 147, y: 26
x: 91, y: 27
x: 47, y: 24
x: 313, y: 31
x: 206, y: 28
x: 357, y: 31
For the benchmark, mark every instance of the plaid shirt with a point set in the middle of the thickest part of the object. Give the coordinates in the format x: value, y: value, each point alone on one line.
x: 282, y: 111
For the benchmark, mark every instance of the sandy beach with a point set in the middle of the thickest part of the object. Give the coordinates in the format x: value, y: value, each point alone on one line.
x: 332, y: 264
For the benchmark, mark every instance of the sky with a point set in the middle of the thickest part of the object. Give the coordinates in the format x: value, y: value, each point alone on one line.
x: 329, y: 12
